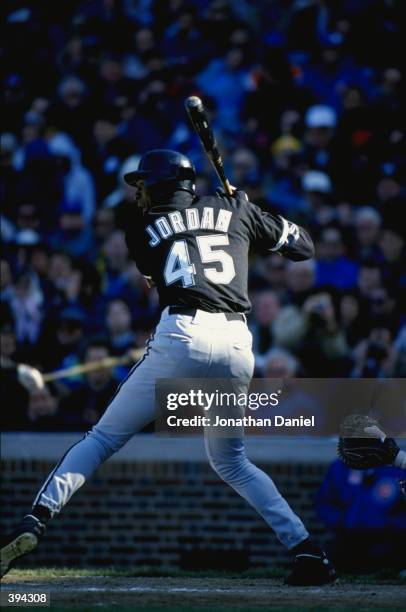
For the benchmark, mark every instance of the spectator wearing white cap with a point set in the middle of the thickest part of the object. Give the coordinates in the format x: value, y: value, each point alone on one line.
x: 320, y: 124
x: 315, y: 181
x: 318, y: 188
x: 320, y: 116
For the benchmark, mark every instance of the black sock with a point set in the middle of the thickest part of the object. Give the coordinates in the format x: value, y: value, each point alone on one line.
x: 41, y: 513
x: 306, y: 547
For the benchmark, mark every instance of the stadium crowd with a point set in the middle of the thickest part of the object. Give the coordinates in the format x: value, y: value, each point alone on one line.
x: 306, y: 98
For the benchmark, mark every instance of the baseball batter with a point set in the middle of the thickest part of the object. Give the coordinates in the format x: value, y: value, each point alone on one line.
x: 195, y: 250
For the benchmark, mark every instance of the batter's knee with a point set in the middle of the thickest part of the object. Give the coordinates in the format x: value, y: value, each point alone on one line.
x: 232, y: 468
x: 108, y: 443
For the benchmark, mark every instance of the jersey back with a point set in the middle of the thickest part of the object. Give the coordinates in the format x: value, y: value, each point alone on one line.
x: 196, y: 249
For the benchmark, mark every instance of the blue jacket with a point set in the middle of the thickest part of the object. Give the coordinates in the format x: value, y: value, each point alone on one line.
x: 362, y: 499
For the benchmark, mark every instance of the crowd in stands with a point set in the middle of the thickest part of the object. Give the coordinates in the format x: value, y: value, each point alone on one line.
x: 307, y: 99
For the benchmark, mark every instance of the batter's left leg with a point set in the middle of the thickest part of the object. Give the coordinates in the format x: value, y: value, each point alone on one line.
x: 130, y: 410
x: 132, y: 407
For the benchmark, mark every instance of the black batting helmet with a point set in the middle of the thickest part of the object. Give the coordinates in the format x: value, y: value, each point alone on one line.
x: 161, y: 167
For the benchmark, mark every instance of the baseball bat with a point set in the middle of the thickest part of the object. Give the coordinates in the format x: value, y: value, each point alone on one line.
x: 197, y: 115
x: 84, y: 368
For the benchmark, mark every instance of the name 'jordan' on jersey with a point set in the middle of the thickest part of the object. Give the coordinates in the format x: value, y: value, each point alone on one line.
x: 196, y: 249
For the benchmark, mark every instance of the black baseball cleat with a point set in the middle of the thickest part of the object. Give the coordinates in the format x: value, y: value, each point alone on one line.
x: 311, y: 570
x: 22, y: 541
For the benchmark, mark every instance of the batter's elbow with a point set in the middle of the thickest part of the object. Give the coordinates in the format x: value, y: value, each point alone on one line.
x: 300, y: 248
x: 308, y: 248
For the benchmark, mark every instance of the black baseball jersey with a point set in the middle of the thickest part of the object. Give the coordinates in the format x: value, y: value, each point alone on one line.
x: 195, y: 249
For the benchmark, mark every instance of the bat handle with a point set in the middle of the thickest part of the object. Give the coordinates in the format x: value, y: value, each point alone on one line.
x: 227, y: 187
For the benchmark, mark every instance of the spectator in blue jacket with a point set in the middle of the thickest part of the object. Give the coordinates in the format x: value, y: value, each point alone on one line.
x: 366, y: 514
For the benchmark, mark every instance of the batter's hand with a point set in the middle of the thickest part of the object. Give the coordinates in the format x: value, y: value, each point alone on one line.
x: 238, y: 194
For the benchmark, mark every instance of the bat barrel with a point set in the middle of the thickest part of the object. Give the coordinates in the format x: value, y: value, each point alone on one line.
x: 197, y: 115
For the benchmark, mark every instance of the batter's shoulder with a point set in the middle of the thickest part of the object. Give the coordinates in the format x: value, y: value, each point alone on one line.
x: 217, y: 200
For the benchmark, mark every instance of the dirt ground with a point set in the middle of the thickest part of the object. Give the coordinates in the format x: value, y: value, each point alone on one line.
x: 206, y: 594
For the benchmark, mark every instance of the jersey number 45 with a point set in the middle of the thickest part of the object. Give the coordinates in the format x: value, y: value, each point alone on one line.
x: 178, y: 266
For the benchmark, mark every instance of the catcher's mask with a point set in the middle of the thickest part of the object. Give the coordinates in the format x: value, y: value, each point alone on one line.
x: 161, y: 172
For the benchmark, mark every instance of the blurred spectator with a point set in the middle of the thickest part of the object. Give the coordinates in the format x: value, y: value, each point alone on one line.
x: 226, y: 81
x: 72, y: 111
x: 400, y: 348
x: 135, y: 63
x: 26, y: 303
x: 104, y: 224
x: 78, y: 187
x: 279, y: 363
x: 351, y: 320
x: 116, y: 264
x: 60, y: 271
x: 295, y: 400
x: 42, y: 410
x: 265, y: 307
x: 84, y: 406
x: 73, y: 234
x: 367, y: 231
x: 13, y: 416
x: 320, y: 123
x: 333, y: 267
x: 183, y: 43
x: 66, y: 340
x: 244, y: 167
x: 301, y: 278
x: 9, y: 176
x: 324, y: 348
x: 6, y: 280
x: 270, y: 271
x: 119, y: 327
x: 28, y: 217
x: 365, y: 513
x: 124, y: 192
x: 369, y: 278
x: 375, y: 356
x: 286, y: 189
x: 392, y: 245
x: 317, y: 188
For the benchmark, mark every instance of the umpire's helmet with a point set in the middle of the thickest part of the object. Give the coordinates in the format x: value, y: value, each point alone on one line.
x: 163, y: 168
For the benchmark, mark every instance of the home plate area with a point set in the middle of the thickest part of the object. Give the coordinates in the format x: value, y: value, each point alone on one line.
x: 162, y: 593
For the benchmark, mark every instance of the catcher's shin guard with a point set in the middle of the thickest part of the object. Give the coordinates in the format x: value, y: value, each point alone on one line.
x: 22, y: 541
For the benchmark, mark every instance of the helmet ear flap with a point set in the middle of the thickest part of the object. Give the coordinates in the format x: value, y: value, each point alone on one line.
x: 184, y: 174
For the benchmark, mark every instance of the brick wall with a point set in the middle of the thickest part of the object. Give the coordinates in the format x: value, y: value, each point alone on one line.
x: 155, y: 513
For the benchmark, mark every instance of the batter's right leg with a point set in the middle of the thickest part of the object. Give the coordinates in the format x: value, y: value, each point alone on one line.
x: 228, y: 458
